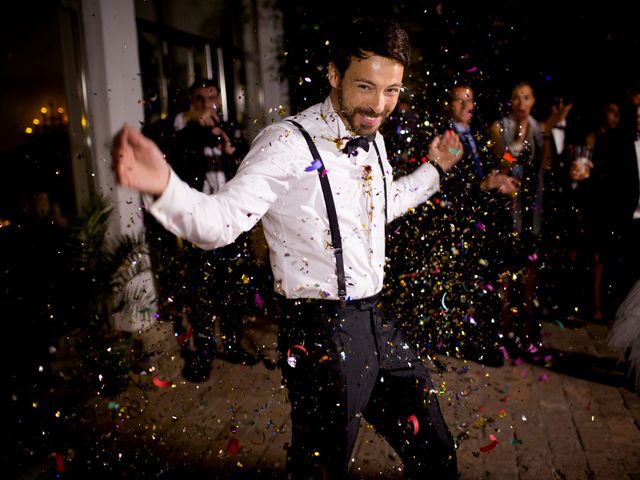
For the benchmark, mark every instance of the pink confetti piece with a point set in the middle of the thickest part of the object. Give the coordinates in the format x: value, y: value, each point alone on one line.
x: 259, y: 301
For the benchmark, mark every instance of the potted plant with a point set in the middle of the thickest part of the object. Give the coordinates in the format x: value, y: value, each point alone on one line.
x: 103, y: 273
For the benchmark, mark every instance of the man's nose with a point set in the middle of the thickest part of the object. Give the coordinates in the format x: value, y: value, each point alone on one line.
x: 378, y: 102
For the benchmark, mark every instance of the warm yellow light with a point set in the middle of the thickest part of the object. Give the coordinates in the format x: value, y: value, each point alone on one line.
x: 28, y: 130
x: 44, y: 109
x: 36, y: 121
x: 83, y: 121
x: 60, y: 110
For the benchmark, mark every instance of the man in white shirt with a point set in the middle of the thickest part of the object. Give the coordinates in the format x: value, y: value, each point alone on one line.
x: 343, y: 358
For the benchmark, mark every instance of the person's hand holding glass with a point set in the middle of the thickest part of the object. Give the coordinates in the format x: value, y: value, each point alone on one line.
x: 581, y: 165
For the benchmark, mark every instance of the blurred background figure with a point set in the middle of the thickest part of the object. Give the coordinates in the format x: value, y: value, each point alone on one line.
x: 517, y: 145
x: 441, y: 269
x: 556, y: 285
x: 210, y: 291
x: 615, y: 210
x: 595, y: 239
x: 524, y: 149
x: 463, y: 304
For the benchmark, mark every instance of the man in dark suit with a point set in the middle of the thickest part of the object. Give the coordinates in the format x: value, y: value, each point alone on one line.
x: 616, y: 202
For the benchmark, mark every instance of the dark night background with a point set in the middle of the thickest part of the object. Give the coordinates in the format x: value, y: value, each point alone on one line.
x: 589, y: 52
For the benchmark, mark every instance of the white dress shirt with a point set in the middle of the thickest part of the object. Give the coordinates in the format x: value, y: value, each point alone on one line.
x: 558, y: 133
x: 273, y: 184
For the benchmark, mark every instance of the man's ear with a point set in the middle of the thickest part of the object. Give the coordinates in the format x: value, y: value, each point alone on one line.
x: 334, y: 76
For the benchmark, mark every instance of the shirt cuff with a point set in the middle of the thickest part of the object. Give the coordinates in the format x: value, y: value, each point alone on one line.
x: 441, y: 173
x: 159, y: 204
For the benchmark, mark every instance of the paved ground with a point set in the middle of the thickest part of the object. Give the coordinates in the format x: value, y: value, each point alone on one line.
x: 569, y: 419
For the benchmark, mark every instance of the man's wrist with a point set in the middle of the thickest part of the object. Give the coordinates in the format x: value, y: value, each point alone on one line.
x: 439, y: 168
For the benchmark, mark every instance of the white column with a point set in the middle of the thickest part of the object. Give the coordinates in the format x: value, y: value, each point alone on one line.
x: 114, y: 90
x: 267, y: 93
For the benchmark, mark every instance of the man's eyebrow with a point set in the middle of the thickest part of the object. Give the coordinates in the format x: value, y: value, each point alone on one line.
x: 369, y: 82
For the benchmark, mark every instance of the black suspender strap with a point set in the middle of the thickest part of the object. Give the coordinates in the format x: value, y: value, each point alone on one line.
x: 384, y: 182
x: 331, y: 212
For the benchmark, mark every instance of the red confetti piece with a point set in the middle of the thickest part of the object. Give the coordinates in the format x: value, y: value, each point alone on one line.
x: 162, y: 383
x: 323, y: 358
x: 299, y: 347
x: 508, y: 157
x: 59, y: 463
x: 505, y: 354
x: 184, y: 337
x: 505, y: 398
x: 413, y: 422
x: 490, y: 446
x: 472, y: 69
x: 233, y: 447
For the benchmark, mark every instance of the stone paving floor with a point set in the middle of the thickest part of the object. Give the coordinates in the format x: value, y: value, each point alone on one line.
x: 568, y: 418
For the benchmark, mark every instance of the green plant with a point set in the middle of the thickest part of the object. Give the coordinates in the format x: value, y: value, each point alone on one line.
x: 103, y: 271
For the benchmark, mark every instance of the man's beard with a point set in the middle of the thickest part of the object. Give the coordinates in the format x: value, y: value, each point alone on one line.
x: 349, y: 115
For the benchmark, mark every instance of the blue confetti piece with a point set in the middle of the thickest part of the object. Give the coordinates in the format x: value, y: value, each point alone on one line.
x: 443, y: 304
x: 315, y: 165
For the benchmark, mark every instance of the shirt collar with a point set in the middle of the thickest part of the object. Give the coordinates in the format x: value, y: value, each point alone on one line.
x: 460, y: 128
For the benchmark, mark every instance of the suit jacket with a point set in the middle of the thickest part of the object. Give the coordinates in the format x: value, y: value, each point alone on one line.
x: 616, y: 184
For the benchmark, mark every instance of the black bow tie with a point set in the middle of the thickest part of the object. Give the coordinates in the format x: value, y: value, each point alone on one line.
x: 353, y: 144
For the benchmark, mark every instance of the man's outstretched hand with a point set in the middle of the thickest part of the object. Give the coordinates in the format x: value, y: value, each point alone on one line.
x: 138, y: 162
x: 446, y: 150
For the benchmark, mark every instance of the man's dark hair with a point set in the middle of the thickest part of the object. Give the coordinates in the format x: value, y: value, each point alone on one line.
x: 366, y: 36
x: 206, y: 82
